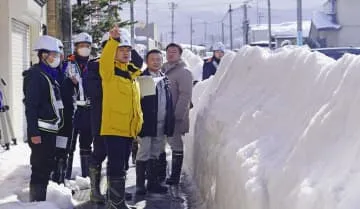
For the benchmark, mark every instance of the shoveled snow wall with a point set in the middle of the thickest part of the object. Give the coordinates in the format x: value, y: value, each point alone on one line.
x: 277, y: 130
x: 194, y: 63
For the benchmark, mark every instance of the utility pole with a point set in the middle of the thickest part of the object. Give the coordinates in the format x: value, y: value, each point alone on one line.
x: 222, y: 32
x: 132, y: 19
x: 231, y: 31
x: 205, y: 32
x: 245, y: 25
x: 66, y: 26
x: 269, y: 23
x: 191, y: 33
x: 299, y: 23
x: 147, y: 26
x: 172, y: 7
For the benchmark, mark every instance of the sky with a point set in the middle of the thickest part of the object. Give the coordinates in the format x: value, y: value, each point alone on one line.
x: 213, y: 12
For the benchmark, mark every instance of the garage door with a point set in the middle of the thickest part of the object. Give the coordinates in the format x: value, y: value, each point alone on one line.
x: 20, y: 61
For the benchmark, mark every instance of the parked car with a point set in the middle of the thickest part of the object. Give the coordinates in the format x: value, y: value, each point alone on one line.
x: 338, y: 52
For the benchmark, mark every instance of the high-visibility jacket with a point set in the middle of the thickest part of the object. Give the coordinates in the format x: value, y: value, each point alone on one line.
x: 121, y: 109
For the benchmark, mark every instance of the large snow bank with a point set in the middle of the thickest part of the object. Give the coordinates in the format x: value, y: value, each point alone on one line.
x: 277, y: 131
x: 194, y: 62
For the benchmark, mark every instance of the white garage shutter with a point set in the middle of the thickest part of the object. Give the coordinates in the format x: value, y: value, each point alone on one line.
x: 20, y: 61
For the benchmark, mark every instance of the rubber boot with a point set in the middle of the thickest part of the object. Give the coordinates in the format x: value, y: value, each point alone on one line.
x: 153, y: 185
x: 37, y: 192
x: 69, y: 166
x: 58, y: 174
x: 116, y: 193
x: 176, y: 165
x: 84, y: 160
x: 140, y: 177
x: 134, y: 150
x: 162, y: 163
x: 95, y: 176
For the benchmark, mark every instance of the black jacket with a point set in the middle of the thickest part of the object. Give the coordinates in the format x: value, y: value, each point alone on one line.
x: 37, y: 99
x: 149, y: 106
x: 95, y: 96
x: 209, y: 69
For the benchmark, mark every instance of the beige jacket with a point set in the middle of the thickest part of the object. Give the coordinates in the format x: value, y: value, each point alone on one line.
x: 181, y: 89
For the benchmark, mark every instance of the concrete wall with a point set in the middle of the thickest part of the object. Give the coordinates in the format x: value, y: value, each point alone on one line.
x: 31, y: 14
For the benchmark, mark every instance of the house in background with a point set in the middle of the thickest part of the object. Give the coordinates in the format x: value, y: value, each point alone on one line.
x: 21, y: 23
x: 279, y: 32
x: 336, y: 24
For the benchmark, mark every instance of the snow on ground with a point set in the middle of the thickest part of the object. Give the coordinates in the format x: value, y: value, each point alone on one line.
x: 15, y: 177
x: 277, y: 131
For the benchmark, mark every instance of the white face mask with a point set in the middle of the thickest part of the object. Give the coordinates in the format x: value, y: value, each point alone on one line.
x: 84, y: 52
x: 55, y: 63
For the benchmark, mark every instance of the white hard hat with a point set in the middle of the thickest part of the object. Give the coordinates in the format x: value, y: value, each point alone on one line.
x: 218, y: 47
x: 105, y: 37
x: 125, y: 39
x: 83, y: 38
x: 61, y: 45
x: 48, y: 43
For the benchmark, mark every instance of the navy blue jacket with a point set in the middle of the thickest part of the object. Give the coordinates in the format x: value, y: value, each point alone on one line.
x: 149, y: 106
x: 209, y: 69
x: 95, y: 96
x: 37, y: 99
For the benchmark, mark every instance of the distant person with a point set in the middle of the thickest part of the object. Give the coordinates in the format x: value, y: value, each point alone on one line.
x: 286, y: 43
x: 212, y: 64
x: 181, y: 83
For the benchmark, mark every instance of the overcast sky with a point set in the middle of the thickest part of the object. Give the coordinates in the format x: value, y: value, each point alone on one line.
x: 213, y: 12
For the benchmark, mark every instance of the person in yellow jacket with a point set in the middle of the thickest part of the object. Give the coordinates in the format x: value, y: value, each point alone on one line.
x: 121, y: 118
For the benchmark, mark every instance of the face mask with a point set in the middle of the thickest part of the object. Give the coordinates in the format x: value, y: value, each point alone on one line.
x: 84, y: 52
x: 55, y: 63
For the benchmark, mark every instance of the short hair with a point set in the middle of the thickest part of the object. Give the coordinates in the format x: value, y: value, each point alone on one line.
x: 153, y: 51
x: 175, y: 45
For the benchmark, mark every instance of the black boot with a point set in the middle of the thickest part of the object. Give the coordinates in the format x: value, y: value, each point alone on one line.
x: 153, y: 185
x: 140, y: 177
x: 162, y: 163
x: 116, y: 193
x: 58, y: 174
x: 134, y: 150
x: 84, y: 160
x: 69, y: 165
x: 37, y: 192
x: 176, y: 165
x: 95, y: 176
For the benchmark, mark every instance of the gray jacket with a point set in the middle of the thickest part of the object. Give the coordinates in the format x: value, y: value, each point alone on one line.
x: 181, y: 88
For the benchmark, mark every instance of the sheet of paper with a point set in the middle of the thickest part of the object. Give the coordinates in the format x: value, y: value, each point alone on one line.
x: 148, y: 85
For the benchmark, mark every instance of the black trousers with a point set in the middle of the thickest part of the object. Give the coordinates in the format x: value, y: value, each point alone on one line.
x: 118, y: 151
x: 42, y: 158
x: 98, y: 154
x: 82, y: 128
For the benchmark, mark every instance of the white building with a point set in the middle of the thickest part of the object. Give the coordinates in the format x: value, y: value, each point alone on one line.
x: 337, y: 24
x: 279, y: 32
x: 21, y: 24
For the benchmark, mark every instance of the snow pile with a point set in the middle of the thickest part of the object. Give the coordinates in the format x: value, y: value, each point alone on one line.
x: 15, y: 177
x: 194, y: 63
x: 277, y: 131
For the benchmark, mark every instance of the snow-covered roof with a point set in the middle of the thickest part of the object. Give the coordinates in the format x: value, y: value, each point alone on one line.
x: 286, y: 29
x: 140, y: 38
x: 188, y: 46
x: 323, y: 21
